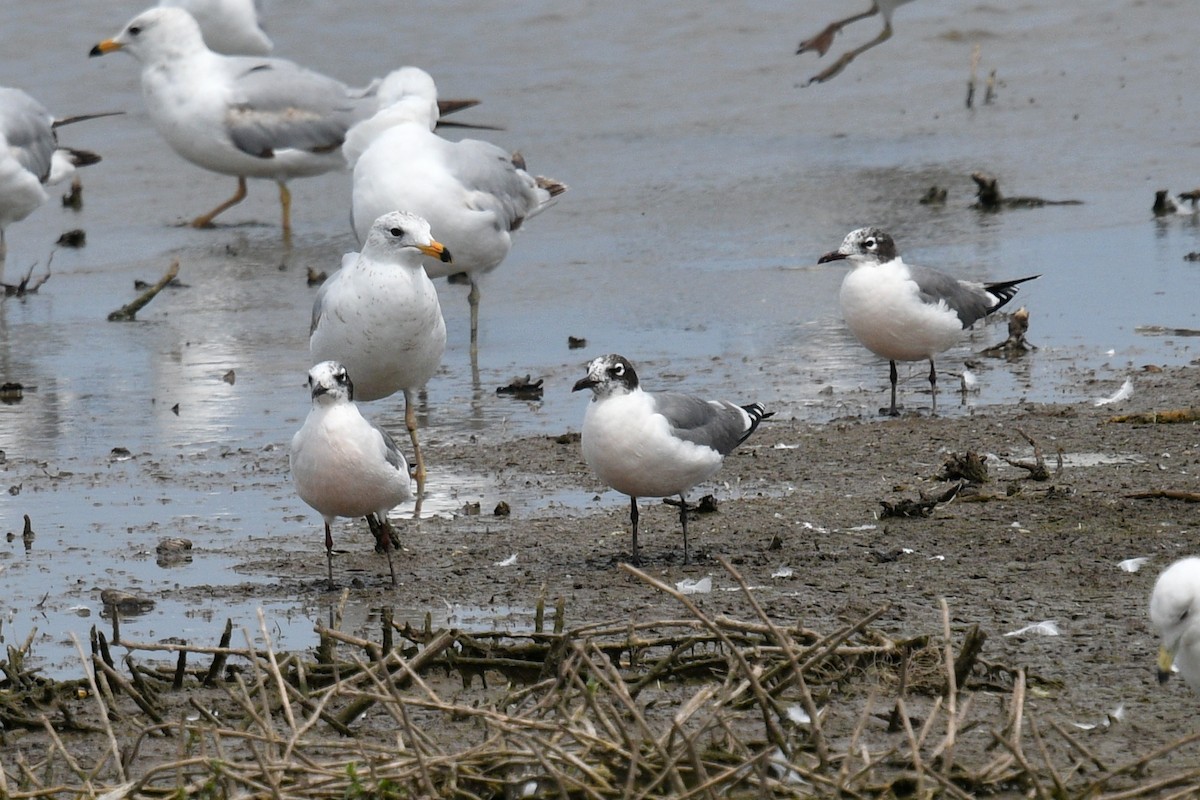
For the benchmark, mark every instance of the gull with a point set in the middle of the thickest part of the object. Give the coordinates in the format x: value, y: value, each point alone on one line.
x: 343, y: 465
x: 823, y: 40
x: 238, y: 115
x: 232, y: 27
x: 907, y: 313
x: 656, y: 444
x: 473, y: 193
x: 1175, y: 614
x: 30, y: 158
x: 379, y: 316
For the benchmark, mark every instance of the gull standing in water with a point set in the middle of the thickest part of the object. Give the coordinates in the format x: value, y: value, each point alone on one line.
x: 343, y: 465
x: 238, y: 115
x: 473, y: 193
x: 1175, y: 614
x: 907, y: 313
x: 656, y: 444
x: 379, y: 316
x: 30, y: 158
x: 823, y: 40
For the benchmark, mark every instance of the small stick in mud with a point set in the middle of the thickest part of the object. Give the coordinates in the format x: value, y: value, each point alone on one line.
x: 128, y: 313
x: 1037, y: 468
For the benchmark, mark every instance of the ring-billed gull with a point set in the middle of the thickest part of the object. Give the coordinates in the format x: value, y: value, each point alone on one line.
x: 908, y: 313
x: 30, y: 159
x: 1175, y: 614
x: 238, y: 115
x: 232, y: 27
x: 656, y: 444
x: 473, y: 193
x: 343, y: 465
x: 379, y: 316
x: 823, y: 40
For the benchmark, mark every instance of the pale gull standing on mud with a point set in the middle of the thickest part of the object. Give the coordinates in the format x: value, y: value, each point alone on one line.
x: 1175, y: 614
x: 379, y: 316
x: 343, y: 465
x: 907, y: 313
x: 474, y: 194
x: 656, y: 444
x: 30, y: 159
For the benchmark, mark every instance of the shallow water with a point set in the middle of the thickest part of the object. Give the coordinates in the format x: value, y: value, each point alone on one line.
x: 704, y: 185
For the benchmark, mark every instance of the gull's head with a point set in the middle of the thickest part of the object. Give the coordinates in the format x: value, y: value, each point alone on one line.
x: 1175, y: 613
x: 410, y: 82
x: 330, y: 384
x: 864, y: 246
x: 156, y: 34
x: 398, y: 233
x: 607, y: 375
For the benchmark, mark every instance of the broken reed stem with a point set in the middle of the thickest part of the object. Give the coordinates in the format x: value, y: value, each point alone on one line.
x: 128, y: 312
x: 789, y: 650
x: 766, y: 705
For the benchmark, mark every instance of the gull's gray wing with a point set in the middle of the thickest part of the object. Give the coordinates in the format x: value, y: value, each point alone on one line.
x: 708, y: 423
x: 319, y: 301
x: 496, y: 184
x: 279, y: 105
x: 27, y: 127
x: 393, y: 454
x: 969, y: 300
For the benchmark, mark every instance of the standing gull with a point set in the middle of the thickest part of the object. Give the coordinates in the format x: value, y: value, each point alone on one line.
x: 30, y: 159
x: 343, y: 465
x: 1175, y: 614
x: 473, y: 193
x: 379, y: 316
x: 238, y: 115
x: 823, y: 40
x: 908, y: 313
x: 656, y: 444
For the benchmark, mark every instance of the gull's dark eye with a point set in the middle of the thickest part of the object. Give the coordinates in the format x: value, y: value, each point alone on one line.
x: 341, y: 376
x: 134, y: 30
x: 870, y: 244
x: 1184, y: 615
x: 397, y: 232
x: 618, y: 370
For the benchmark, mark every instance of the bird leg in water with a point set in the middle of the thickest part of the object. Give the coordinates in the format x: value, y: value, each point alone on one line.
x: 473, y: 301
x: 285, y: 202
x: 410, y: 422
x: 206, y: 220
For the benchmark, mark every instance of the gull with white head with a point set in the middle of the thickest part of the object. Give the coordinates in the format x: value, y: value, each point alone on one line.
x: 903, y: 312
x: 474, y: 194
x: 244, y: 116
x: 380, y: 317
x: 1175, y: 614
x: 656, y: 444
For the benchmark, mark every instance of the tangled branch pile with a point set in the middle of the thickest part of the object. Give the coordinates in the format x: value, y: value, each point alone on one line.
x: 693, y: 707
